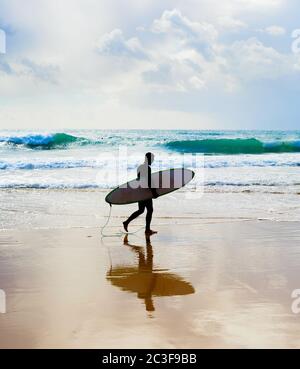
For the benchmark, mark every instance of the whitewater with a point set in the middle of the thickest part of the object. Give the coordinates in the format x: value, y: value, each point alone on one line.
x: 229, y: 161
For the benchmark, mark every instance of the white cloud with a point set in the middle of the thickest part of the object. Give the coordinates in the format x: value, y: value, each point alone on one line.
x: 231, y: 24
x: 27, y: 68
x: 44, y: 72
x: 159, y: 74
x: 197, y: 83
x: 5, y: 68
x: 142, y: 49
x: 274, y: 30
x: 185, y: 55
x: 261, y: 3
x: 114, y: 44
x: 172, y: 21
x: 212, y: 10
x: 251, y: 59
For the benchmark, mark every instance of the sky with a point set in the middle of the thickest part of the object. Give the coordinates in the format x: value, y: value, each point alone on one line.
x: 127, y: 64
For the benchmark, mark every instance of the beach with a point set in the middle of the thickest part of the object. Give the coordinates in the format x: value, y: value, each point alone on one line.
x: 215, y: 276
x: 220, y: 272
x: 149, y: 176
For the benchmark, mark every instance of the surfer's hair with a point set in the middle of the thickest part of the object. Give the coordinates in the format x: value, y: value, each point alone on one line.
x: 150, y: 157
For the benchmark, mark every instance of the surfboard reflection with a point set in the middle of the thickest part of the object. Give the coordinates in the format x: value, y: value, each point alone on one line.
x: 146, y: 281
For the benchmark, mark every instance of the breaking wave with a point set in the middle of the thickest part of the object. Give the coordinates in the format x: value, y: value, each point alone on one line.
x: 234, y: 146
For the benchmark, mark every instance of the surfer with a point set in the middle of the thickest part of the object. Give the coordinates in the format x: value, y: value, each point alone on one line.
x: 144, y: 176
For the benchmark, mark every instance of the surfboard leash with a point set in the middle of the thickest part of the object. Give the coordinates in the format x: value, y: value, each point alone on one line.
x: 106, y: 223
x: 121, y: 233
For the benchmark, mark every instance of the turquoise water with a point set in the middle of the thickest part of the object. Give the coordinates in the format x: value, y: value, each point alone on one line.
x: 207, y: 142
x: 232, y: 160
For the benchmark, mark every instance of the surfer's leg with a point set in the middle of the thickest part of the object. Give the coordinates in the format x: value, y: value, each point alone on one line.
x: 134, y: 215
x: 149, y: 206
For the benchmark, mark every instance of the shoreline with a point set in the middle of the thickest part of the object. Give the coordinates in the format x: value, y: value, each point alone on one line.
x: 25, y: 209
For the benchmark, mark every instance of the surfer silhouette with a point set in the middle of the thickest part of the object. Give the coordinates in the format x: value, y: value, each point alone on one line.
x: 144, y: 176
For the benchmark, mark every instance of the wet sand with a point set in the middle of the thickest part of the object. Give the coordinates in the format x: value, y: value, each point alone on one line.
x: 221, y: 284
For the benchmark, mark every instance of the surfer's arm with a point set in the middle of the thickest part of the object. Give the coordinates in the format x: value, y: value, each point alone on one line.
x: 138, y: 173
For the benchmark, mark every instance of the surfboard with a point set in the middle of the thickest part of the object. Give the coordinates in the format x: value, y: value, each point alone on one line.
x: 164, y: 182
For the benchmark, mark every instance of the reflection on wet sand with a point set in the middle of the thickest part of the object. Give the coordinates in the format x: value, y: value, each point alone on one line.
x: 146, y: 281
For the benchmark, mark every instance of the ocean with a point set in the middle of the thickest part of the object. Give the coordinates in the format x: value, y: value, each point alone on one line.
x: 228, y: 161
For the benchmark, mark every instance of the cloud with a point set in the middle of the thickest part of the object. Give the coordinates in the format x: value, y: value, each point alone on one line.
x: 142, y: 54
x: 200, y: 35
x: 197, y: 83
x: 114, y: 44
x: 180, y: 55
x: 5, y: 68
x: 258, y: 4
x: 174, y: 75
x: 159, y: 74
x: 274, y: 31
x: 243, y: 10
x: 251, y: 60
x: 172, y: 21
x: 44, y: 72
x: 231, y: 24
x: 28, y: 68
